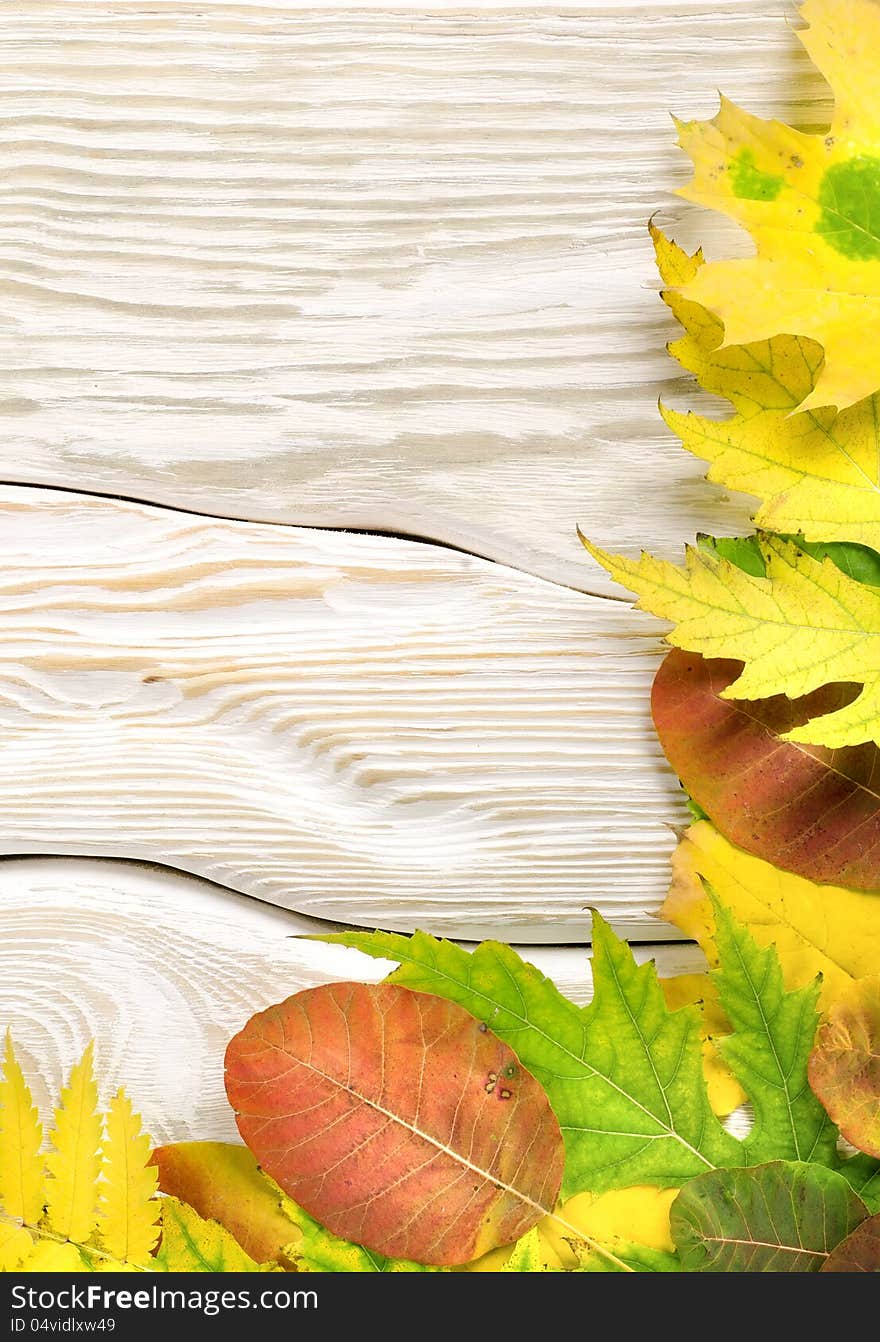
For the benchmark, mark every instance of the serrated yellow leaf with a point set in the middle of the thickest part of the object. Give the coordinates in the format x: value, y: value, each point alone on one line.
x: 812, y: 205
x: 815, y: 929
x: 22, y: 1170
x: 75, y: 1162
x: 128, y: 1205
x: 815, y: 472
x: 804, y: 625
x: 725, y: 1092
x: 189, y: 1243
x: 51, y: 1256
x: 15, y: 1245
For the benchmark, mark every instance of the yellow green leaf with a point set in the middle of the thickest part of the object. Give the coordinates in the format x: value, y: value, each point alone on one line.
x: 811, y: 203
x: 725, y: 1092
x: 128, y: 1206
x: 15, y: 1245
x: 22, y: 1170
x: 75, y: 1162
x: 815, y: 929
x: 814, y: 472
x: 223, y: 1182
x: 804, y: 625
x: 192, y: 1244
x: 526, y: 1255
x: 52, y: 1256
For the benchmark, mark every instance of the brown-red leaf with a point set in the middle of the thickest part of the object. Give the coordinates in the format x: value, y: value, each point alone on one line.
x: 397, y: 1120
x: 859, y: 1252
x: 844, y: 1066
x: 805, y: 808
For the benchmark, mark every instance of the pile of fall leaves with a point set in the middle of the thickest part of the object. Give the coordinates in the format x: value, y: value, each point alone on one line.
x: 464, y: 1112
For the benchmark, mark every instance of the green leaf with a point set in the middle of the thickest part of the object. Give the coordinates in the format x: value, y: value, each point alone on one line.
x: 191, y: 1244
x: 321, y: 1251
x: 858, y: 562
x: 624, y: 1075
x: 785, y: 1216
x: 769, y: 1050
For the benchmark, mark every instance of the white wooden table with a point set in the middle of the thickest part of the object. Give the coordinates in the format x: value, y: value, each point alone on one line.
x: 321, y: 330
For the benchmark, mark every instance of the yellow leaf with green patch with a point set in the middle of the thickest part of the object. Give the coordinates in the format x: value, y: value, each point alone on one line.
x: 190, y: 1243
x: 811, y: 202
x: 815, y: 929
x: 22, y: 1169
x: 75, y: 1162
x: 128, y: 1205
x: 805, y: 625
x: 814, y: 472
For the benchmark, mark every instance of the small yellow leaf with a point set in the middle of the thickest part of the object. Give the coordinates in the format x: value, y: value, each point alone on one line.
x: 129, y: 1208
x: 15, y: 1244
x: 50, y: 1256
x: 725, y: 1092
x: 22, y: 1169
x: 815, y: 928
x: 75, y: 1162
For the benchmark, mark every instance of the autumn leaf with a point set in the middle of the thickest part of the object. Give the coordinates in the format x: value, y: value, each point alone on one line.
x: 803, y: 626
x: 859, y: 1252
x: 128, y: 1207
x: 804, y: 808
x: 815, y: 929
x: 812, y: 205
x: 223, y: 1182
x: 192, y: 1244
x: 371, y: 1104
x: 814, y: 472
x: 624, y: 1074
x: 75, y: 1163
x: 769, y: 1049
x: 785, y: 1216
x: 22, y: 1168
x: 845, y: 1064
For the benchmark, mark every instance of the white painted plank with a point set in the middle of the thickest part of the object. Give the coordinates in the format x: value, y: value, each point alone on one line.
x: 349, y: 267
x: 161, y: 970
x: 356, y: 727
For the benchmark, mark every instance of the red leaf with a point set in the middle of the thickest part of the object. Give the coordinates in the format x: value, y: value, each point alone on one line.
x: 397, y: 1120
x: 859, y: 1252
x: 805, y: 808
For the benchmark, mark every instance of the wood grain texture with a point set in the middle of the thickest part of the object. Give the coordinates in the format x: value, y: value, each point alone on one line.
x: 360, y: 728
x: 377, y: 269
x: 161, y: 970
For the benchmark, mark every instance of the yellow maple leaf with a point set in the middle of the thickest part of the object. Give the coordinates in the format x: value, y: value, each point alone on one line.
x: 128, y: 1205
x: 812, y: 205
x: 816, y: 929
x: 75, y: 1162
x: 804, y: 625
x: 815, y: 472
x: 22, y: 1169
